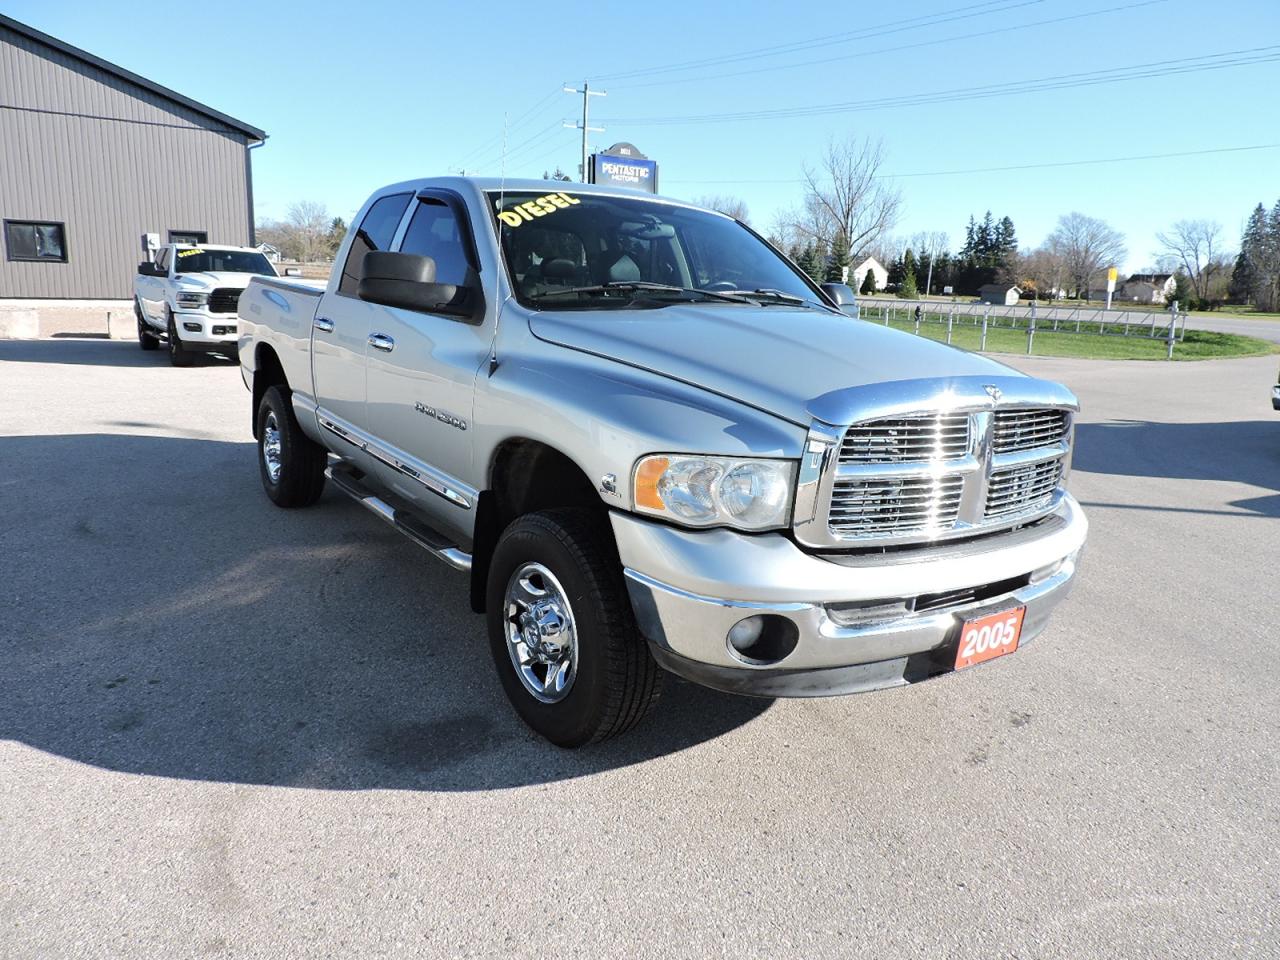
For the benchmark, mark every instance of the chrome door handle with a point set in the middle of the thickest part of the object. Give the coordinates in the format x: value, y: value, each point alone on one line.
x: 380, y: 341
x: 324, y: 325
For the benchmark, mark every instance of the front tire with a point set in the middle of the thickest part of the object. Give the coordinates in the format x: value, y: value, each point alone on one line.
x: 178, y: 355
x: 561, y: 631
x: 290, y: 463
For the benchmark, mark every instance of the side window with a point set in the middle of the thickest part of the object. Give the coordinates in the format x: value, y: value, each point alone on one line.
x: 162, y: 260
x: 433, y: 232
x: 375, y: 233
x: 30, y: 240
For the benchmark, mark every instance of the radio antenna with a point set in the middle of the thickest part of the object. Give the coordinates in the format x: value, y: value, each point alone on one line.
x: 497, y: 273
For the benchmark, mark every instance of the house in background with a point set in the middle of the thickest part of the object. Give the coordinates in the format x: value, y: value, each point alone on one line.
x: 858, y: 274
x: 93, y: 156
x: 999, y: 293
x: 1148, y: 288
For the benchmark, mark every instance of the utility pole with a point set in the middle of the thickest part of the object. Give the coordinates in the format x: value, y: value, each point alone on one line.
x: 584, y: 125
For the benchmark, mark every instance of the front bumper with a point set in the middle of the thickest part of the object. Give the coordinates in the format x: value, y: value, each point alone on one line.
x: 216, y: 332
x: 689, y: 588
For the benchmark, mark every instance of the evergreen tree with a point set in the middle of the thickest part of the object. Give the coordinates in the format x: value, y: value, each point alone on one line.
x: 1183, y: 292
x: 986, y: 240
x: 838, y: 265
x: 1006, y: 240
x: 810, y: 263
x: 868, y: 283
x: 1244, y: 278
x: 907, y: 289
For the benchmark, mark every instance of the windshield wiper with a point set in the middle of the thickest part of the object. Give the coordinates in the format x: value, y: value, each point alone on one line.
x: 768, y: 295
x: 642, y: 286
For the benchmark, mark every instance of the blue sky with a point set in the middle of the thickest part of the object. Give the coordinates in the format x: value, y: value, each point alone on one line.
x: 357, y: 95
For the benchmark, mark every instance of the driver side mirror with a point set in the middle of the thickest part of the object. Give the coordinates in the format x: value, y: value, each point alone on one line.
x: 408, y: 281
x: 148, y: 269
x: 292, y: 272
x: 843, y: 297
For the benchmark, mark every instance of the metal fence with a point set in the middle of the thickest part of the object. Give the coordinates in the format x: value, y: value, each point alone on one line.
x: 1033, y: 318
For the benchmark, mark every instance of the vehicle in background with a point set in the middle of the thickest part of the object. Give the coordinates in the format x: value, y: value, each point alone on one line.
x: 1275, y: 395
x: 187, y: 297
x: 650, y: 440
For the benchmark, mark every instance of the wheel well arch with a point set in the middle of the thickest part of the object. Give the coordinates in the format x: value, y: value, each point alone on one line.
x: 268, y: 372
x: 524, y: 476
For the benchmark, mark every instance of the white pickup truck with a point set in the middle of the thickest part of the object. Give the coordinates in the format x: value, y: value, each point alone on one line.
x: 188, y: 295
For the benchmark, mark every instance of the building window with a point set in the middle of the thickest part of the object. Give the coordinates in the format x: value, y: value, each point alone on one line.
x: 33, y: 240
x: 189, y: 236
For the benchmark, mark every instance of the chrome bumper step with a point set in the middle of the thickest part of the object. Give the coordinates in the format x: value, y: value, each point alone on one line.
x: 410, y: 526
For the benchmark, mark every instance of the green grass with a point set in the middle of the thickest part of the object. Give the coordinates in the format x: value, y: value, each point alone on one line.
x: 1198, y: 344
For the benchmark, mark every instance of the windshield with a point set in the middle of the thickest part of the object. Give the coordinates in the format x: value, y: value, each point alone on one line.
x: 199, y: 260
x: 568, y: 250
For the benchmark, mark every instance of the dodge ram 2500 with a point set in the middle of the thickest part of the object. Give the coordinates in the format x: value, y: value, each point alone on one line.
x: 187, y: 296
x: 652, y: 443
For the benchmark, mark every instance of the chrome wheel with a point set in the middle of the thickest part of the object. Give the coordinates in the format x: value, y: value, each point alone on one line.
x: 271, y: 458
x: 542, y: 638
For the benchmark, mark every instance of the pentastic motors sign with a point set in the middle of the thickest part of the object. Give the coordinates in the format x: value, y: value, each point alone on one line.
x: 634, y: 172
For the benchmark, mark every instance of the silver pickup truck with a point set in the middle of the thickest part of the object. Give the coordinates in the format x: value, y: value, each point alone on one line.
x: 652, y: 442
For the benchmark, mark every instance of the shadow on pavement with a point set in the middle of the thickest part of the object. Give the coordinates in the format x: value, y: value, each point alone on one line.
x: 94, y: 351
x: 1246, y: 451
x: 167, y: 620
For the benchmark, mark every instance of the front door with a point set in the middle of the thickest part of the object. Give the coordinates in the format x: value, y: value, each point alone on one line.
x: 341, y: 328
x: 422, y: 369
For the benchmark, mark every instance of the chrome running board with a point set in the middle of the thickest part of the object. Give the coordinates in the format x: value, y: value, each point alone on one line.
x: 424, y: 536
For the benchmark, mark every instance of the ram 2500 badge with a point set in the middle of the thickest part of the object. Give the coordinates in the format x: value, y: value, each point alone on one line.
x: 651, y: 442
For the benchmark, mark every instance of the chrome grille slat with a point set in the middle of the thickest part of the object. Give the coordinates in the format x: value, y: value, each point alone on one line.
x: 916, y: 504
x: 1014, y: 430
x: 1018, y: 489
x: 940, y: 436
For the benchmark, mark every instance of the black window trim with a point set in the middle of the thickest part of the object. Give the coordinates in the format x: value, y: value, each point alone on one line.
x: 8, y: 247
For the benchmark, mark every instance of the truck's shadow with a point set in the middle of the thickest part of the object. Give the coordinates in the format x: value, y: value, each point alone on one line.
x: 1246, y: 451
x: 96, y: 352
x: 162, y: 618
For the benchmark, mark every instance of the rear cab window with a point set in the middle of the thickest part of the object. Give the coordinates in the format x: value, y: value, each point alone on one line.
x: 376, y: 231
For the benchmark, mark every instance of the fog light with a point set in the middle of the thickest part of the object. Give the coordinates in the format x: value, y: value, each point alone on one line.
x: 190, y: 326
x: 763, y: 639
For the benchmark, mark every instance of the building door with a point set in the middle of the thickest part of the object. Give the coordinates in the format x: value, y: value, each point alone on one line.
x: 189, y: 236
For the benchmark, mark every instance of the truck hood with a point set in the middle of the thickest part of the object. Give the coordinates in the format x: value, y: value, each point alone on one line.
x: 210, y: 281
x: 786, y: 361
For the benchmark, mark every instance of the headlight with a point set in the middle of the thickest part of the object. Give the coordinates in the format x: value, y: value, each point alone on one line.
x: 192, y: 299
x: 715, y: 491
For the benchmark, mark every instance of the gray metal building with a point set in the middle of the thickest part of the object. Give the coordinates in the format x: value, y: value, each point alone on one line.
x: 93, y: 156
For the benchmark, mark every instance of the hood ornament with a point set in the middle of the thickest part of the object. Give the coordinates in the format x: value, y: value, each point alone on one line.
x: 994, y: 392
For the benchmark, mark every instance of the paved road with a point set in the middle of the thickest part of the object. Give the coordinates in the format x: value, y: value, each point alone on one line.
x: 1262, y: 328
x: 228, y: 730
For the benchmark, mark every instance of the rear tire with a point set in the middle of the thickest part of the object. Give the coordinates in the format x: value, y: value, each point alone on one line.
x: 178, y: 355
x: 146, y: 339
x: 557, y: 568
x: 290, y: 463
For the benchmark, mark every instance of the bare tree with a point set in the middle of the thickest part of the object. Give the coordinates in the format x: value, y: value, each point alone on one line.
x: 734, y: 207
x: 1196, y: 246
x: 1044, y: 271
x: 304, y: 235
x: 1087, y: 245
x: 845, y: 197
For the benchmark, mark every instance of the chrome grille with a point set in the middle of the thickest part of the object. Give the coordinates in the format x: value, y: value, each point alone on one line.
x: 867, y: 507
x: 1027, y: 487
x: 942, y: 436
x: 224, y: 300
x: 1014, y: 430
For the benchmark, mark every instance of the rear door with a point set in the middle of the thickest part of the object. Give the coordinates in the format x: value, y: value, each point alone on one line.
x: 422, y: 374
x: 342, y: 324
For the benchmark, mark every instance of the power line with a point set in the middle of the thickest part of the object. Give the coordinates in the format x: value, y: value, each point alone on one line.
x: 497, y: 140
x: 774, y: 50
x: 1020, y: 166
x: 862, y: 54
x: 1160, y: 68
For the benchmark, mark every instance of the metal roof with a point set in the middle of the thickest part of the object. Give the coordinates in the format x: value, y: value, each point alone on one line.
x: 53, y: 42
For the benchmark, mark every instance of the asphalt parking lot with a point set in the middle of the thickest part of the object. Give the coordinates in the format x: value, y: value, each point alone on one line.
x: 230, y: 730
